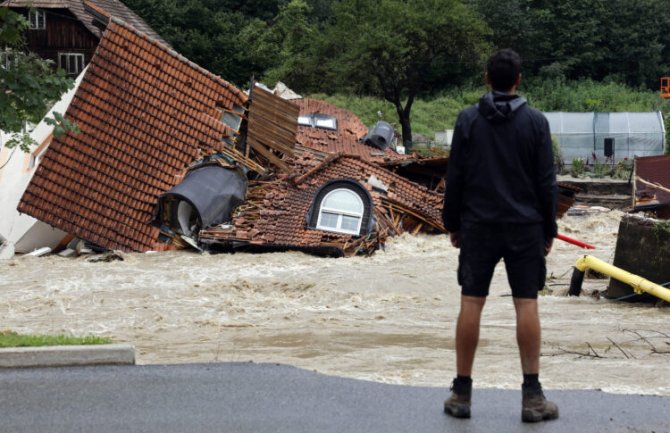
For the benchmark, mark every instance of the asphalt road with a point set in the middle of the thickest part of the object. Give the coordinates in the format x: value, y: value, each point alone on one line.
x: 257, y: 398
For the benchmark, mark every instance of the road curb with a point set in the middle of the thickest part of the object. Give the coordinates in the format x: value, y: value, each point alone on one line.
x: 62, y: 356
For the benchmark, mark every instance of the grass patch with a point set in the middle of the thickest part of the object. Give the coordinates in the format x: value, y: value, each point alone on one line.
x: 13, y: 339
x: 437, y: 112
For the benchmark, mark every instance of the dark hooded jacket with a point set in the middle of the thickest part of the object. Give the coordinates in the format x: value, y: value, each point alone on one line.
x: 501, y: 167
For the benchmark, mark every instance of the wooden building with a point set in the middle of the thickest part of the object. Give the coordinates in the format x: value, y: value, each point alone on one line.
x: 68, y: 31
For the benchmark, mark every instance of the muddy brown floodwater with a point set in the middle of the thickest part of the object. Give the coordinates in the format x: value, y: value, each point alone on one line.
x: 387, y: 318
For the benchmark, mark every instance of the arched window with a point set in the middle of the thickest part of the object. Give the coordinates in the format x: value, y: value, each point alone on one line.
x: 341, y: 211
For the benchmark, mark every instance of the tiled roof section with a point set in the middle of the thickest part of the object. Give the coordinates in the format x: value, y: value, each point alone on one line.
x: 120, y: 11
x: 275, y: 213
x: 145, y: 113
x: 47, y: 4
x: 650, y: 173
x: 85, y: 11
x: 350, y: 129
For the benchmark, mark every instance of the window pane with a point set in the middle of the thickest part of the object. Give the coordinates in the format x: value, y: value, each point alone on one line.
x: 37, y: 19
x: 6, y: 59
x: 350, y: 223
x: 344, y: 200
x: 326, y: 122
x: 328, y: 219
x: 304, y: 120
x: 72, y: 63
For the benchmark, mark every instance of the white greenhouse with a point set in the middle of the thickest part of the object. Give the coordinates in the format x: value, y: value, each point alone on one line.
x: 609, y: 136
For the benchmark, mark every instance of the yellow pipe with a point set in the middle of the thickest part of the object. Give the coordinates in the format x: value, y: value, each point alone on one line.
x: 638, y: 283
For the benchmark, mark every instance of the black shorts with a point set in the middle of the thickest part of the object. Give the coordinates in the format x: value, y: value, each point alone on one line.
x: 521, y: 246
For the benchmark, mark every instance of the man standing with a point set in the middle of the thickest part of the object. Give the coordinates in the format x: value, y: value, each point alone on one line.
x: 500, y: 203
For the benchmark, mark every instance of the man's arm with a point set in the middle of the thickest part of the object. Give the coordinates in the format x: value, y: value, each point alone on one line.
x: 546, y: 181
x: 453, y: 194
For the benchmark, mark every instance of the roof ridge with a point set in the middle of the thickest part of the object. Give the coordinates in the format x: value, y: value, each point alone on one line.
x: 95, y: 7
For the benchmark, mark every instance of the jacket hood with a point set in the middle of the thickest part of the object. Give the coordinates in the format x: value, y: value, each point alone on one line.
x: 499, y: 107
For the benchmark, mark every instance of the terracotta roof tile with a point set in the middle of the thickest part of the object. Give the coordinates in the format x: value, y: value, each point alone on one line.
x: 102, y: 185
x: 275, y: 213
x: 350, y: 129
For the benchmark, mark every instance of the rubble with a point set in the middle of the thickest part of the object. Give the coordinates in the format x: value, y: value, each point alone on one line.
x: 155, y: 128
x: 171, y: 156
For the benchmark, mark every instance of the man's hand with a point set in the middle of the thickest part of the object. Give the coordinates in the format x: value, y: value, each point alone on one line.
x: 547, y: 246
x: 455, y: 238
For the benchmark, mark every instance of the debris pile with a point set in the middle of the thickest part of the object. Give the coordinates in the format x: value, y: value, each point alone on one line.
x: 171, y: 156
x: 288, y: 212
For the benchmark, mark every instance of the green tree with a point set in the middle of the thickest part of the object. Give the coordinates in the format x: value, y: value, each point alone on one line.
x: 510, y: 22
x: 230, y: 38
x: 28, y: 84
x: 637, y: 42
x: 297, y: 45
x: 399, y: 49
x: 614, y: 40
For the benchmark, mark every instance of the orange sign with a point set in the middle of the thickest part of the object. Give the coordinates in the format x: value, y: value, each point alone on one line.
x: 665, y: 87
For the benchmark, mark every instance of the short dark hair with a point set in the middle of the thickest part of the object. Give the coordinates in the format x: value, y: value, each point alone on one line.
x: 503, y: 67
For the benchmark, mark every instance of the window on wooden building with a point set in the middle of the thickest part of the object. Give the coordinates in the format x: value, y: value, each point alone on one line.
x: 37, y: 19
x: 7, y: 58
x: 72, y: 63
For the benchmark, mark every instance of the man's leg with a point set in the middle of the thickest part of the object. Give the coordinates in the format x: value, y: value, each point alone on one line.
x: 467, y: 338
x: 535, y: 407
x: 467, y: 333
x: 528, y: 334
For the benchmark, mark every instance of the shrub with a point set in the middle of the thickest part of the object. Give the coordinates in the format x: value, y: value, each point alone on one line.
x: 558, y: 155
x: 623, y: 169
x: 578, y: 167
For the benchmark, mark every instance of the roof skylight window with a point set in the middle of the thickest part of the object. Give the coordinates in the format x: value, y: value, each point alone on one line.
x: 316, y: 120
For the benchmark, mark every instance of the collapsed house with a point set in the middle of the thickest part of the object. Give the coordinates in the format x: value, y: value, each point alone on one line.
x: 145, y: 113
x: 337, y: 205
x: 171, y: 155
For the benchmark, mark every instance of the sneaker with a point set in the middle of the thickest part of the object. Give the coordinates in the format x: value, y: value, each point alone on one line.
x: 535, y: 407
x: 458, y: 405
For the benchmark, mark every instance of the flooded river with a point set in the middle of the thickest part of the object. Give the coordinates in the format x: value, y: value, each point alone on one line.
x: 386, y: 318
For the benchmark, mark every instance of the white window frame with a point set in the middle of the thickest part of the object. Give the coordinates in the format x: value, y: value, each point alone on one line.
x: 340, y: 213
x: 305, y: 120
x: 233, y: 118
x: 37, y: 19
x: 7, y: 58
x: 317, y: 120
x: 325, y: 122
x: 72, y: 64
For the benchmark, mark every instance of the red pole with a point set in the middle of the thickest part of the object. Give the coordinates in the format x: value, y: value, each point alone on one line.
x: 575, y: 242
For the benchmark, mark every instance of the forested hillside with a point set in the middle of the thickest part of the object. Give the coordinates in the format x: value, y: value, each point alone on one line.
x: 578, y: 54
